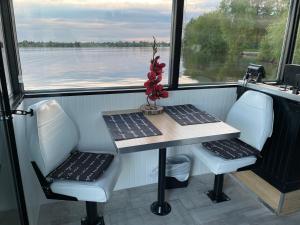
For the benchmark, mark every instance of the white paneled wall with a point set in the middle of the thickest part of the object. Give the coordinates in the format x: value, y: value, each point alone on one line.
x: 86, y: 112
x: 33, y: 192
x: 137, y: 167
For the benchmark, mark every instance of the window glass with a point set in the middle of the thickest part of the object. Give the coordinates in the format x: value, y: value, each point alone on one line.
x: 296, y: 57
x: 221, y: 38
x: 91, y: 43
x: 3, y: 52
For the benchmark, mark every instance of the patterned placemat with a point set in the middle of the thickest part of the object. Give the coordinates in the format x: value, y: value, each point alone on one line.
x: 231, y: 149
x: 130, y: 125
x: 189, y: 115
x: 82, y: 166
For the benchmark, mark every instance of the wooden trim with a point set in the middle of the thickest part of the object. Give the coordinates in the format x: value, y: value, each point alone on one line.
x: 265, y: 191
x: 281, y: 203
x: 291, y: 202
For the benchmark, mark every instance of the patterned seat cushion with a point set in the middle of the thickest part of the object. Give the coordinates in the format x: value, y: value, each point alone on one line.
x: 231, y: 149
x: 81, y: 166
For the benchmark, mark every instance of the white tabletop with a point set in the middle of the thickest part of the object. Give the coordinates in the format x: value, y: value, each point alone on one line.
x: 173, y: 134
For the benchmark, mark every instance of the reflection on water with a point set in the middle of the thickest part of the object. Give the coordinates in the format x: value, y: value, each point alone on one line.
x: 48, y: 68
x: 57, y: 68
x: 223, y: 68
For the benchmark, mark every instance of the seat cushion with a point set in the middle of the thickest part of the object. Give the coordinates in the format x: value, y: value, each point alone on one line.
x: 219, y: 165
x: 82, y: 166
x: 97, y: 191
x: 231, y: 148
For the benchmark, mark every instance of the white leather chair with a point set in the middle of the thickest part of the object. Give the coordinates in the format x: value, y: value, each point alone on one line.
x: 52, y: 135
x: 252, y: 114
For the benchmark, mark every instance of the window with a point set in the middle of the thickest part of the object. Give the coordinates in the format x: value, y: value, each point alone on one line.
x: 8, y: 81
x: 296, y: 56
x: 9, y: 53
x: 221, y: 37
x: 94, y: 43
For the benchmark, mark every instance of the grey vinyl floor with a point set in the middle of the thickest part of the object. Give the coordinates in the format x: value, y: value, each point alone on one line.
x: 190, y: 206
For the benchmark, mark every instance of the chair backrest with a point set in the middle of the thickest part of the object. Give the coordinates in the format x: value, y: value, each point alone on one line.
x: 51, y: 134
x: 253, y: 115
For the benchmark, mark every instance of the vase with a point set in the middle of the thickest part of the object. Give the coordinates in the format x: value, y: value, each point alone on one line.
x: 150, y: 109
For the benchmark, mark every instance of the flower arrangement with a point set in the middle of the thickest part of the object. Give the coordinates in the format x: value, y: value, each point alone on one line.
x: 154, y: 90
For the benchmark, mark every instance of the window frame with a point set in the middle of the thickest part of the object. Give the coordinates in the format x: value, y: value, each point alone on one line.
x: 287, y: 53
x: 12, y: 52
x: 175, y: 55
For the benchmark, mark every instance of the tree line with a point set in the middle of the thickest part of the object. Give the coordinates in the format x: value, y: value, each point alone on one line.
x: 220, y: 44
x: 53, y: 44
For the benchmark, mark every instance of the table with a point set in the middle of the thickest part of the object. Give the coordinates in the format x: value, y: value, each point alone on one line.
x: 173, y: 134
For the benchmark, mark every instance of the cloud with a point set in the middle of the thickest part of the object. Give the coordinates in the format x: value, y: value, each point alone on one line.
x: 163, y: 5
x: 65, y: 30
x: 100, y: 20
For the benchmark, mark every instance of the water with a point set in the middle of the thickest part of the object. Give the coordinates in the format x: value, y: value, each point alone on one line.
x: 54, y: 68
x: 60, y: 68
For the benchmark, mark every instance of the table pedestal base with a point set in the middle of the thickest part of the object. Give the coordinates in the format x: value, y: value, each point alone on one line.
x: 160, y: 210
x: 161, y: 207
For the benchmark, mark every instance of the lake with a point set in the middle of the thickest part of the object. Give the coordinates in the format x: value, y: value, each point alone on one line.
x: 60, y: 68
x: 56, y: 68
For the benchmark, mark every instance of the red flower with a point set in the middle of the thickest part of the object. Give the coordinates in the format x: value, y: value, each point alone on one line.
x: 159, y: 78
x: 148, y: 91
x: 154, y: 90
x: 164, y: 94
x: 151, y: 75
x: 147, y: 84
x: 158, y: 87
x: 152, y: 97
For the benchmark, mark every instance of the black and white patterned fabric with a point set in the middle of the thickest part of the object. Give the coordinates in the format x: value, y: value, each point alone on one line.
x: 189, y: 115
x: 82, y: 166
x: 231, y: 149
x: 129, y: 126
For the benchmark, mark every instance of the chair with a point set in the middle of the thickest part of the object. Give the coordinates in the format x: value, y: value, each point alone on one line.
x: 52, y: 138
x: 253, y: 115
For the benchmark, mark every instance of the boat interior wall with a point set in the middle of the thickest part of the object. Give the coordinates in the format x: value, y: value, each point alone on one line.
x: 33, y: 193
x: 85, y: 111
x: 6, y: 188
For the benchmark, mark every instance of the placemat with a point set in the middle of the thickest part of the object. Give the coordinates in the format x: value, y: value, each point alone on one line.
x: 189, y: 115
x: 231, y: 149
x: 130, y: 125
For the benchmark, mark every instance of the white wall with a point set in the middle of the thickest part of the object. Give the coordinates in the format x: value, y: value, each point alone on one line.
x: 86, y: 112
x: 33, y: 192
x: 137, y: 167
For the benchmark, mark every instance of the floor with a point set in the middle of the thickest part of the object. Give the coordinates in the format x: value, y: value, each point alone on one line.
x: 190, y: 206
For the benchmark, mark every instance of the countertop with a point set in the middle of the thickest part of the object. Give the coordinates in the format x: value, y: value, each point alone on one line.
x: 271, y: 89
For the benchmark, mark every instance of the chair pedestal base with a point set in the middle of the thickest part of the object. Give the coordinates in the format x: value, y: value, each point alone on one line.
x: 217, y: 194
x: 221, y: 197
x: 98, y: 221
x: 92, y: 217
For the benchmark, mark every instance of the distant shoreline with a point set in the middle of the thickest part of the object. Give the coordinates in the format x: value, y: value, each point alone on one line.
x: 119, y: 44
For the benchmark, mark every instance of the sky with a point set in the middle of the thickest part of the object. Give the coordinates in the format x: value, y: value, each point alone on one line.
x: 100, y: 20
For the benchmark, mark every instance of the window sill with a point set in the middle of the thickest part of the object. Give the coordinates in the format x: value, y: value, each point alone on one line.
x: 117, y: 90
